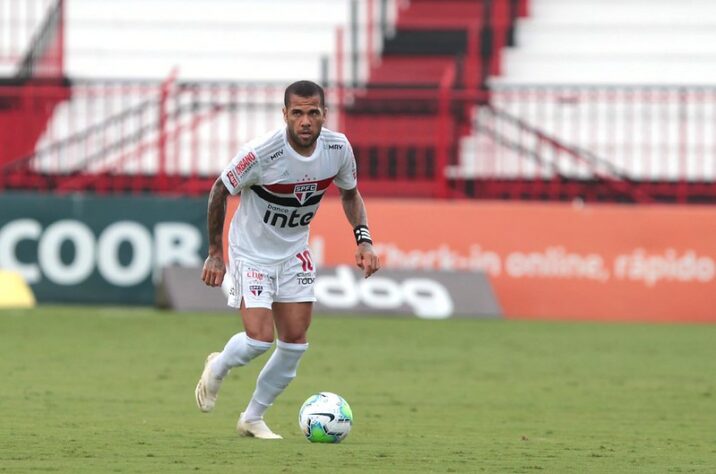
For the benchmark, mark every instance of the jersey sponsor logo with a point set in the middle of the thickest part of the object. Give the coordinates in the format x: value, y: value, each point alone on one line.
x: 255, y: 275
x: 232, y: 178
x: 256, y: 290
x: 245, y: 164
x: 335, y: 146
x: 304, y: 191
x: 276, y: 155
x: 305, y: 278
x: 282, y: 220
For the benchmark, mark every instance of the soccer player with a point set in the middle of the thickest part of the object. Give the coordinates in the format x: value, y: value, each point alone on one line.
x: 282, y: 177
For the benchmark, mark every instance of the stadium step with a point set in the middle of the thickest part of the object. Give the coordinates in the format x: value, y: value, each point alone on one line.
x: 446, y: 13
x: 25, y: 109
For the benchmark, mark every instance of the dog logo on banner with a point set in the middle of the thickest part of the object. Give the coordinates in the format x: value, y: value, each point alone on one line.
x: 304, y: 191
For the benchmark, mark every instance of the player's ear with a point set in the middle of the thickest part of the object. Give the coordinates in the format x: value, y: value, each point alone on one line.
x: 285, y: 114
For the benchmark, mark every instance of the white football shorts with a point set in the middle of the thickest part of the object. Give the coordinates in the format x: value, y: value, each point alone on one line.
x: 261, y: 285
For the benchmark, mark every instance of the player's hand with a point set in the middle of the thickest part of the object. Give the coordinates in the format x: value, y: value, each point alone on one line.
x: 214, y: 271
x: 367, y: 260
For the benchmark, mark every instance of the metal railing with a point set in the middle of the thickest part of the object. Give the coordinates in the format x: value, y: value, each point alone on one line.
x: 624, y: 143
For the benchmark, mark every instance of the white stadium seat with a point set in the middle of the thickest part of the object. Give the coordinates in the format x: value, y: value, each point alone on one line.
x: 608, y: 47
x: 243, y: 40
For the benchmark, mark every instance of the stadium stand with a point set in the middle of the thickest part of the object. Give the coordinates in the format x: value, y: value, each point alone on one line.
x: 611, y: 42
x: 517, y: 99
x: 617, y: 92
x: 435, y: 45
x: 201, y: 79
x: 213, y: 40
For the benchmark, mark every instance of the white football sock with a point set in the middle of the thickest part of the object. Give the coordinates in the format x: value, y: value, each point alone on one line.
x: 240, y: 350
x: 274, y: 378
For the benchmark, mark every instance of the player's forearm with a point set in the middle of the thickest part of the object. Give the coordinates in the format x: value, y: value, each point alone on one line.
x: 215, y: 220
x: 354, y: 207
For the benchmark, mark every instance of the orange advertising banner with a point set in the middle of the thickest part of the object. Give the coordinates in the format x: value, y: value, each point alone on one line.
x: 548, y: 260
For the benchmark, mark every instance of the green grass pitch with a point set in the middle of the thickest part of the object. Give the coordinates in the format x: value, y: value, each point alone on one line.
x: 101, y: 390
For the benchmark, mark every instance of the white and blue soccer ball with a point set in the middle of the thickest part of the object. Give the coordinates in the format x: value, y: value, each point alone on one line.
x: 325, y: 418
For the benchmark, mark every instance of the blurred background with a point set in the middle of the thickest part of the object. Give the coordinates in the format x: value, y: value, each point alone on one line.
x: 526, y: 158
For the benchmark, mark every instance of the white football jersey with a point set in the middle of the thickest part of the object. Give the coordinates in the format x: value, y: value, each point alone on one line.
x: 280, y: 193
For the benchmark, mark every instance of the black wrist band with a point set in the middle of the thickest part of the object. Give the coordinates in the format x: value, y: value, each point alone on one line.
x: 362, y: 234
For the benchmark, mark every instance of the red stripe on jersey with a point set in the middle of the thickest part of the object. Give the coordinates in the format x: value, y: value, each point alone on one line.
x: 287, y: 188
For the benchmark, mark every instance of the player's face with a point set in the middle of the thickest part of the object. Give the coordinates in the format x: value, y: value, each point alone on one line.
x: 304, y: 117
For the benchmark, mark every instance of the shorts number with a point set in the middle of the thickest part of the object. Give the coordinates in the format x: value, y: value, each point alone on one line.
x: 305, y: 258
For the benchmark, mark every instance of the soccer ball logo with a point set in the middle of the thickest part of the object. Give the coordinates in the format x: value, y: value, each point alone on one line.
x: 325, y: 418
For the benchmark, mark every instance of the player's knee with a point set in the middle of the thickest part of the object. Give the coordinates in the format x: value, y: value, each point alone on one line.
x: 293, y: 338
x: 260, y: 334
x: 259, y: 329
x: 293, y: 335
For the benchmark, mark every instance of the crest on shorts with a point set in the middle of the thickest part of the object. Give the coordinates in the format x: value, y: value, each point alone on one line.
x: 304, y: 191
x: 256, y: 289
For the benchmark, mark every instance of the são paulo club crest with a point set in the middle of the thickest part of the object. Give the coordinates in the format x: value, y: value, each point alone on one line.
x: 256, y: 289
x: 304, y: 191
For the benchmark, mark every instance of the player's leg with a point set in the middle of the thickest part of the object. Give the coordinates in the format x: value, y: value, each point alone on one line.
x: 243, y: 347
x: 240, y: 349
x: 254, y: 292
x: 292, y: 322
x: 293, y: 304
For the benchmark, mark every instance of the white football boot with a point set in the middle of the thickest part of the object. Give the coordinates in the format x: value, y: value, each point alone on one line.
x: 208, y: 387
x: 255, y: 429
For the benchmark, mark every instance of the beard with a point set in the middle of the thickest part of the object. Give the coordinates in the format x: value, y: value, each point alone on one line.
x: 301, y: 141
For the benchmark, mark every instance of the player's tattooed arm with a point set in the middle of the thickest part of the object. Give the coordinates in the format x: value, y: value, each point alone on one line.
x: 354, y: 207
x: 216, y: 213
x: 214, y: 267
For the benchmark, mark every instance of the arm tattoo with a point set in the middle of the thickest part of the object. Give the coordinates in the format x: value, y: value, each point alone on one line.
x: 215, y: 220
x: 354, y: 207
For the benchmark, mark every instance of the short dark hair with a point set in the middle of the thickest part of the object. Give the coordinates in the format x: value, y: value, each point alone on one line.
x: 304, y: 89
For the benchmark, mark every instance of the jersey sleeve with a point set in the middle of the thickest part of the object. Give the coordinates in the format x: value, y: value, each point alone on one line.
x: 347, y: 176
x: 243, y: 171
